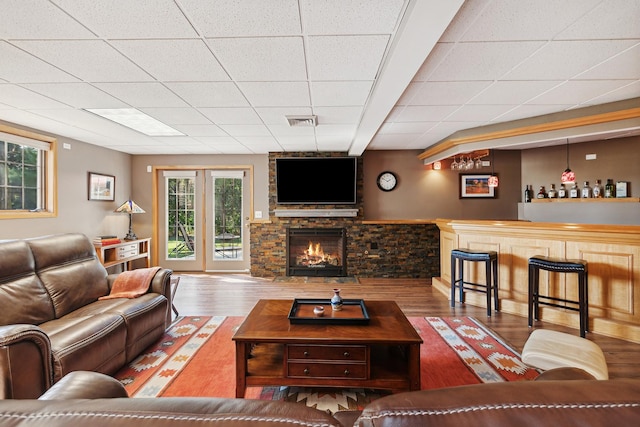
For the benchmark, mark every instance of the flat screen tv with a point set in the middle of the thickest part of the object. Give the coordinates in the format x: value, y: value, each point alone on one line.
x: 316, y: 180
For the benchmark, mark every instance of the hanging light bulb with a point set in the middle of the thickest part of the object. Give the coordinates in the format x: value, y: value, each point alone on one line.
x: 493, y: 179
x: 568, y: 176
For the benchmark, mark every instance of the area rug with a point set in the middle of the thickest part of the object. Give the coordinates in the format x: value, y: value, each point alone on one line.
x: 196, y: 357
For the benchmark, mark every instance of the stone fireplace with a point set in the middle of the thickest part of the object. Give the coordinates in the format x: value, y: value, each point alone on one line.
x: 316, y: 252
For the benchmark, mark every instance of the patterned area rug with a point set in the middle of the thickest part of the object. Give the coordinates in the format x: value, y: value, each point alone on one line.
x: 196, y: 357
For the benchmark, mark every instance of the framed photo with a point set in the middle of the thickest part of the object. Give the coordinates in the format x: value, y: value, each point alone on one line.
x: 102, y: 187
x: 475, y: 186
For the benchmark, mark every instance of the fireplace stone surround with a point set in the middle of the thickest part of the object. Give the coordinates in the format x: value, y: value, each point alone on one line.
x: 385, y: 248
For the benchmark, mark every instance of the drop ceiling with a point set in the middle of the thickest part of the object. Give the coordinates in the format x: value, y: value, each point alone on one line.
x: 378, y: 74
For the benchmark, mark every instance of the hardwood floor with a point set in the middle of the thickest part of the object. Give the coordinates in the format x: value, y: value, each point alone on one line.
x: 236, y: 294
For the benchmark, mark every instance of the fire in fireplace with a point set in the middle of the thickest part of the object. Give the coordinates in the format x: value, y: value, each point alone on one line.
x: 316, y: 252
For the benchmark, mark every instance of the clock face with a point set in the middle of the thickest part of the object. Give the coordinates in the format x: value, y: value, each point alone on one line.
x: 387, y: 181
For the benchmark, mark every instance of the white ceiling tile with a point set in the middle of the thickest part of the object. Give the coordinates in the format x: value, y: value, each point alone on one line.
x: 575, y: 57
x: 351, y: 16
x: 276, y: 94
x: 18, y: 97
x: 534, y: 20
x: 625, y: 65
x: 259, y: 144
x: 229, y: 18
x: 100, y: 62
x: 524, y: 111
x: 18, y: 66
x: 333, y: 142
x: 479, y: 113
x: 332, y: 94
x: 291, y: 131
x: 436, y: 56
x: 276, y: 115
x: 216, y: 140
x: 297, y: 143
x: 200, y: 130
x: 246, y: 130
x: 410, y: 92
x: 18, y: 16
x: 611, y: 19
x: 338, y: 115
x: 420, y: 113
x: 408, y: 127
x: 232, y: 116
x: 345, y: 57
x: 79, y: 95
x: 482, y: 61
x: 447, y: 93
x: 140, y: 95
x: 209, y: 94
x: 513, y: 92
x: 262, y: 59
x: 626, y: 92
x: 177, y: 116
x: 578, y: 91
x: 173, y: 60
x: 130, y: 19
x: 391, y: 141
x: 341, y: 130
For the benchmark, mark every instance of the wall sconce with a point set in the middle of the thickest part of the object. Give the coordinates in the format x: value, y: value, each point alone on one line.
x: 130, y: 207
x: 437, y: 166
x: 493, y: 179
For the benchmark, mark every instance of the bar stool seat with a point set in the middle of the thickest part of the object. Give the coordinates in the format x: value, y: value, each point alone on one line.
x: 558, y: 265
x: 490, y: 258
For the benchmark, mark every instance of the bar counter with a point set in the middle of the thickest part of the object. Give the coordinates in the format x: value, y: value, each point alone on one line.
x: 612, y: 251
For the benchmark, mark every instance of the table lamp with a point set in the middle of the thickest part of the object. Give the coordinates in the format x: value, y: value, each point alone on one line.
x: 130, y: 208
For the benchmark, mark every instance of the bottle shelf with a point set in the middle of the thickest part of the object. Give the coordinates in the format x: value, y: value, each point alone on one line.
x: 589, y: 200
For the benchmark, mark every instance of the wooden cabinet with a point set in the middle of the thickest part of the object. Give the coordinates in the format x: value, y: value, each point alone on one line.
x: 124, y: 253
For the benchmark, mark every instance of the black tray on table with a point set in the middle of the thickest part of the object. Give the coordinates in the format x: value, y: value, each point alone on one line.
x: 354, y: 312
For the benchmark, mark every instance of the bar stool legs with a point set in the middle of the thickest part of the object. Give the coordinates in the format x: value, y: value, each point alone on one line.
x: 578, y: 266
x: 490, y: 258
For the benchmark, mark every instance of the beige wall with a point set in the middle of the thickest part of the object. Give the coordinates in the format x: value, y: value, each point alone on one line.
x: 423, y: 193
x: 75, y: 212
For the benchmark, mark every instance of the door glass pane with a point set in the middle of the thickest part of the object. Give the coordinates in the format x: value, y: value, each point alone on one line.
x: 227, y: 231
x: 181, y: 218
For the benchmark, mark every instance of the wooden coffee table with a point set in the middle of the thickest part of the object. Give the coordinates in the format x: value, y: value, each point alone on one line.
x: 383, y: 354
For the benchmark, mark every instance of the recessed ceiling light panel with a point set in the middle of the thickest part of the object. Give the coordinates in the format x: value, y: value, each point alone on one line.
x: 136, y: 120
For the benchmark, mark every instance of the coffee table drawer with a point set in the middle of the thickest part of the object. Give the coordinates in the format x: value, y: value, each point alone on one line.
x: 327, y: 352
x: 326, y: 370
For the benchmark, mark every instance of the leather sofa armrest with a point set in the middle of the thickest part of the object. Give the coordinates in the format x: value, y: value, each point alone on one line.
x: 85, y: 385
x: 564, y: 374
x: 26, y: 369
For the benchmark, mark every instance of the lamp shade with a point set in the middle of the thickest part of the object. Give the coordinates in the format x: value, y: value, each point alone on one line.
x: 130, y: 207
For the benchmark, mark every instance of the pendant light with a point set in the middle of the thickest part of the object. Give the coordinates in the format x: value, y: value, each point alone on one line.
x: 568, y: 177
x: 493, y: 179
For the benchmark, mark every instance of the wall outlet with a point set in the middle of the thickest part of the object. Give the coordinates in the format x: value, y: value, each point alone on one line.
x: 66, y: 146
x: 257, y: 214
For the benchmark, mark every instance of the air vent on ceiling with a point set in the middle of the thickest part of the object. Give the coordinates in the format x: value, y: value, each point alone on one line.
x: 311, y: 120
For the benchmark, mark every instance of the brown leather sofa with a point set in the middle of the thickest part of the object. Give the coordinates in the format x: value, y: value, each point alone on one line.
x: 88, y: 398
x: 52, y: 323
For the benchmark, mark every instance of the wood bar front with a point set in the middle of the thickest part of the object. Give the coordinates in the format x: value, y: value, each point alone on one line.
x: 612, y: 251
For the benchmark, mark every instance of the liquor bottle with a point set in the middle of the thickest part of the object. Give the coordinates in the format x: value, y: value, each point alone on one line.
x: 574, y: 192
x: 552, y: 192
x: 527, y: 194
x: 586, y: 191
x: 609, y: 189
x: 562, y: 192
x: 541, y: 193
x: 597, y: 190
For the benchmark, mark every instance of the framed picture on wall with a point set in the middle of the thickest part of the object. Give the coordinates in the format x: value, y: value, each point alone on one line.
x: 101, y: 186
x: 474, y: 186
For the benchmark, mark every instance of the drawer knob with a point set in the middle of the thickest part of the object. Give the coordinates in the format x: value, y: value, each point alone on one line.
x: 306, y: 371
x: 346, y: 372
x: 346, y: 354
x: 306, y: 354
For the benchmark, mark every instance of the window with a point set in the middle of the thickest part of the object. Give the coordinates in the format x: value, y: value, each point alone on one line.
x: 181, y: 214
x: 27, y: 174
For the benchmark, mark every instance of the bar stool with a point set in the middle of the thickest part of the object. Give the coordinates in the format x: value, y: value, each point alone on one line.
x: 579, y: 266
x: 490, y: 258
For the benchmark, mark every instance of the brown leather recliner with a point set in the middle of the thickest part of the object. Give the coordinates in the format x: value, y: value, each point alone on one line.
x: 52, y: 323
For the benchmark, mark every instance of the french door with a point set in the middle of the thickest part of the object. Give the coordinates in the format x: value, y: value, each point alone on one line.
x: 203, y: 226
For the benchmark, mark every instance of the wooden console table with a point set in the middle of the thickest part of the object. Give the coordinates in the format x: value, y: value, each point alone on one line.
x: 124, y: 253
x: 384, y: 354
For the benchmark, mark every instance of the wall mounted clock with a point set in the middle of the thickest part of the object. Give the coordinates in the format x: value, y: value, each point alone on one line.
x: 387, y: 181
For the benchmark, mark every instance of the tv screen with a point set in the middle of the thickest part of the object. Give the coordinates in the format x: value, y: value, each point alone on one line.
x: 316, y: 180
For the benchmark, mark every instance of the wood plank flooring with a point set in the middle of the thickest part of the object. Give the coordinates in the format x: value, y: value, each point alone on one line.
x: 235, y: 295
